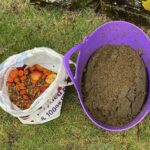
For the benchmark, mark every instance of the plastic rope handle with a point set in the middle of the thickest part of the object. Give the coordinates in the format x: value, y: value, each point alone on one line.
x: 67, y: 60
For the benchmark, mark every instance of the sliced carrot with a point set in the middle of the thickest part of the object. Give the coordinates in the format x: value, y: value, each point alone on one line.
x: 32, y: 68
x: 21, y: 72
x: 14, y: 73
x: 43, y: 76
x: 46, y: 85
x: 46, y: 71
x: 16, y: 80
x: 23, y: 92
x: 23, y: 78
x: 17, y: 88
x: 10, y: 79
x: 38, y: 67
x: 36, y: 90
x: 22, y: 86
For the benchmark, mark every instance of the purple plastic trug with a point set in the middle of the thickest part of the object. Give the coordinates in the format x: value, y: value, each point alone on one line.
x: 114, y: 32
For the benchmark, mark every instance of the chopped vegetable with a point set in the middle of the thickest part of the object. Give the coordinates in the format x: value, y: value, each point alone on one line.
x: 17, y: 87
x: 47, y: 72
x: 22, y: 86
x: 36, y: 75
x: 26, y: 72
x: 23, y: 78
x: 25, y: 85
x: 21, y: 73
x: 26, y: 97
x: 36, y: 90
x: 42, y: 69
x: 10, y: 79
x: 50, y: 78
x: 43, y: 76
x: 43, y: 89
x: 46, y: 84
x: 16, y: 80
x: 38, y: 67
x: 33, y: 81
x: 32, y: 68
x: 14, y: 73
x: 23, y: 92
x: 9, y: 83
x: 27, y: 106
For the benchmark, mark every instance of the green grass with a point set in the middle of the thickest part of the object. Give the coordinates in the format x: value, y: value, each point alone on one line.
x: 24, y: 27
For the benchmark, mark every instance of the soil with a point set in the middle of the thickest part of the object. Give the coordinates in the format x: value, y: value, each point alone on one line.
x: 114, y: 85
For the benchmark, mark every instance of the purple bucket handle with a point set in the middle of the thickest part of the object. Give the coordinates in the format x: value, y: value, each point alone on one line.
x: 86, y: 38
x: 73, y: 50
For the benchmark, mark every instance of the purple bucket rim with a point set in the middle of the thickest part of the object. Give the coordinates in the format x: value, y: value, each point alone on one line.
x: 97, y: 123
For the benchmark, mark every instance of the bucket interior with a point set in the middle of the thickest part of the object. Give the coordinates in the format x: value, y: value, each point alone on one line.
x: 115, y: 33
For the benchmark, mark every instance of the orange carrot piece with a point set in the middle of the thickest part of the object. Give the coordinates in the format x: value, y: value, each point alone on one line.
x: 46, y: 85
x: 32, y: 68
x: 21, y: 72
x: 22, y: 86
x: 43, y: 76
x: 36, y: 89
x: 42, y: 69
x: 10, y: 79
x: 38, y: 67
x: 14, y: 73
x: 23, y: 92
x: 17, y: 88
x: 16, y: 80
x: 46, y: 71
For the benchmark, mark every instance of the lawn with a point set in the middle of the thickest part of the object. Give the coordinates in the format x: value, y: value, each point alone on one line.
x: 24, y: 27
